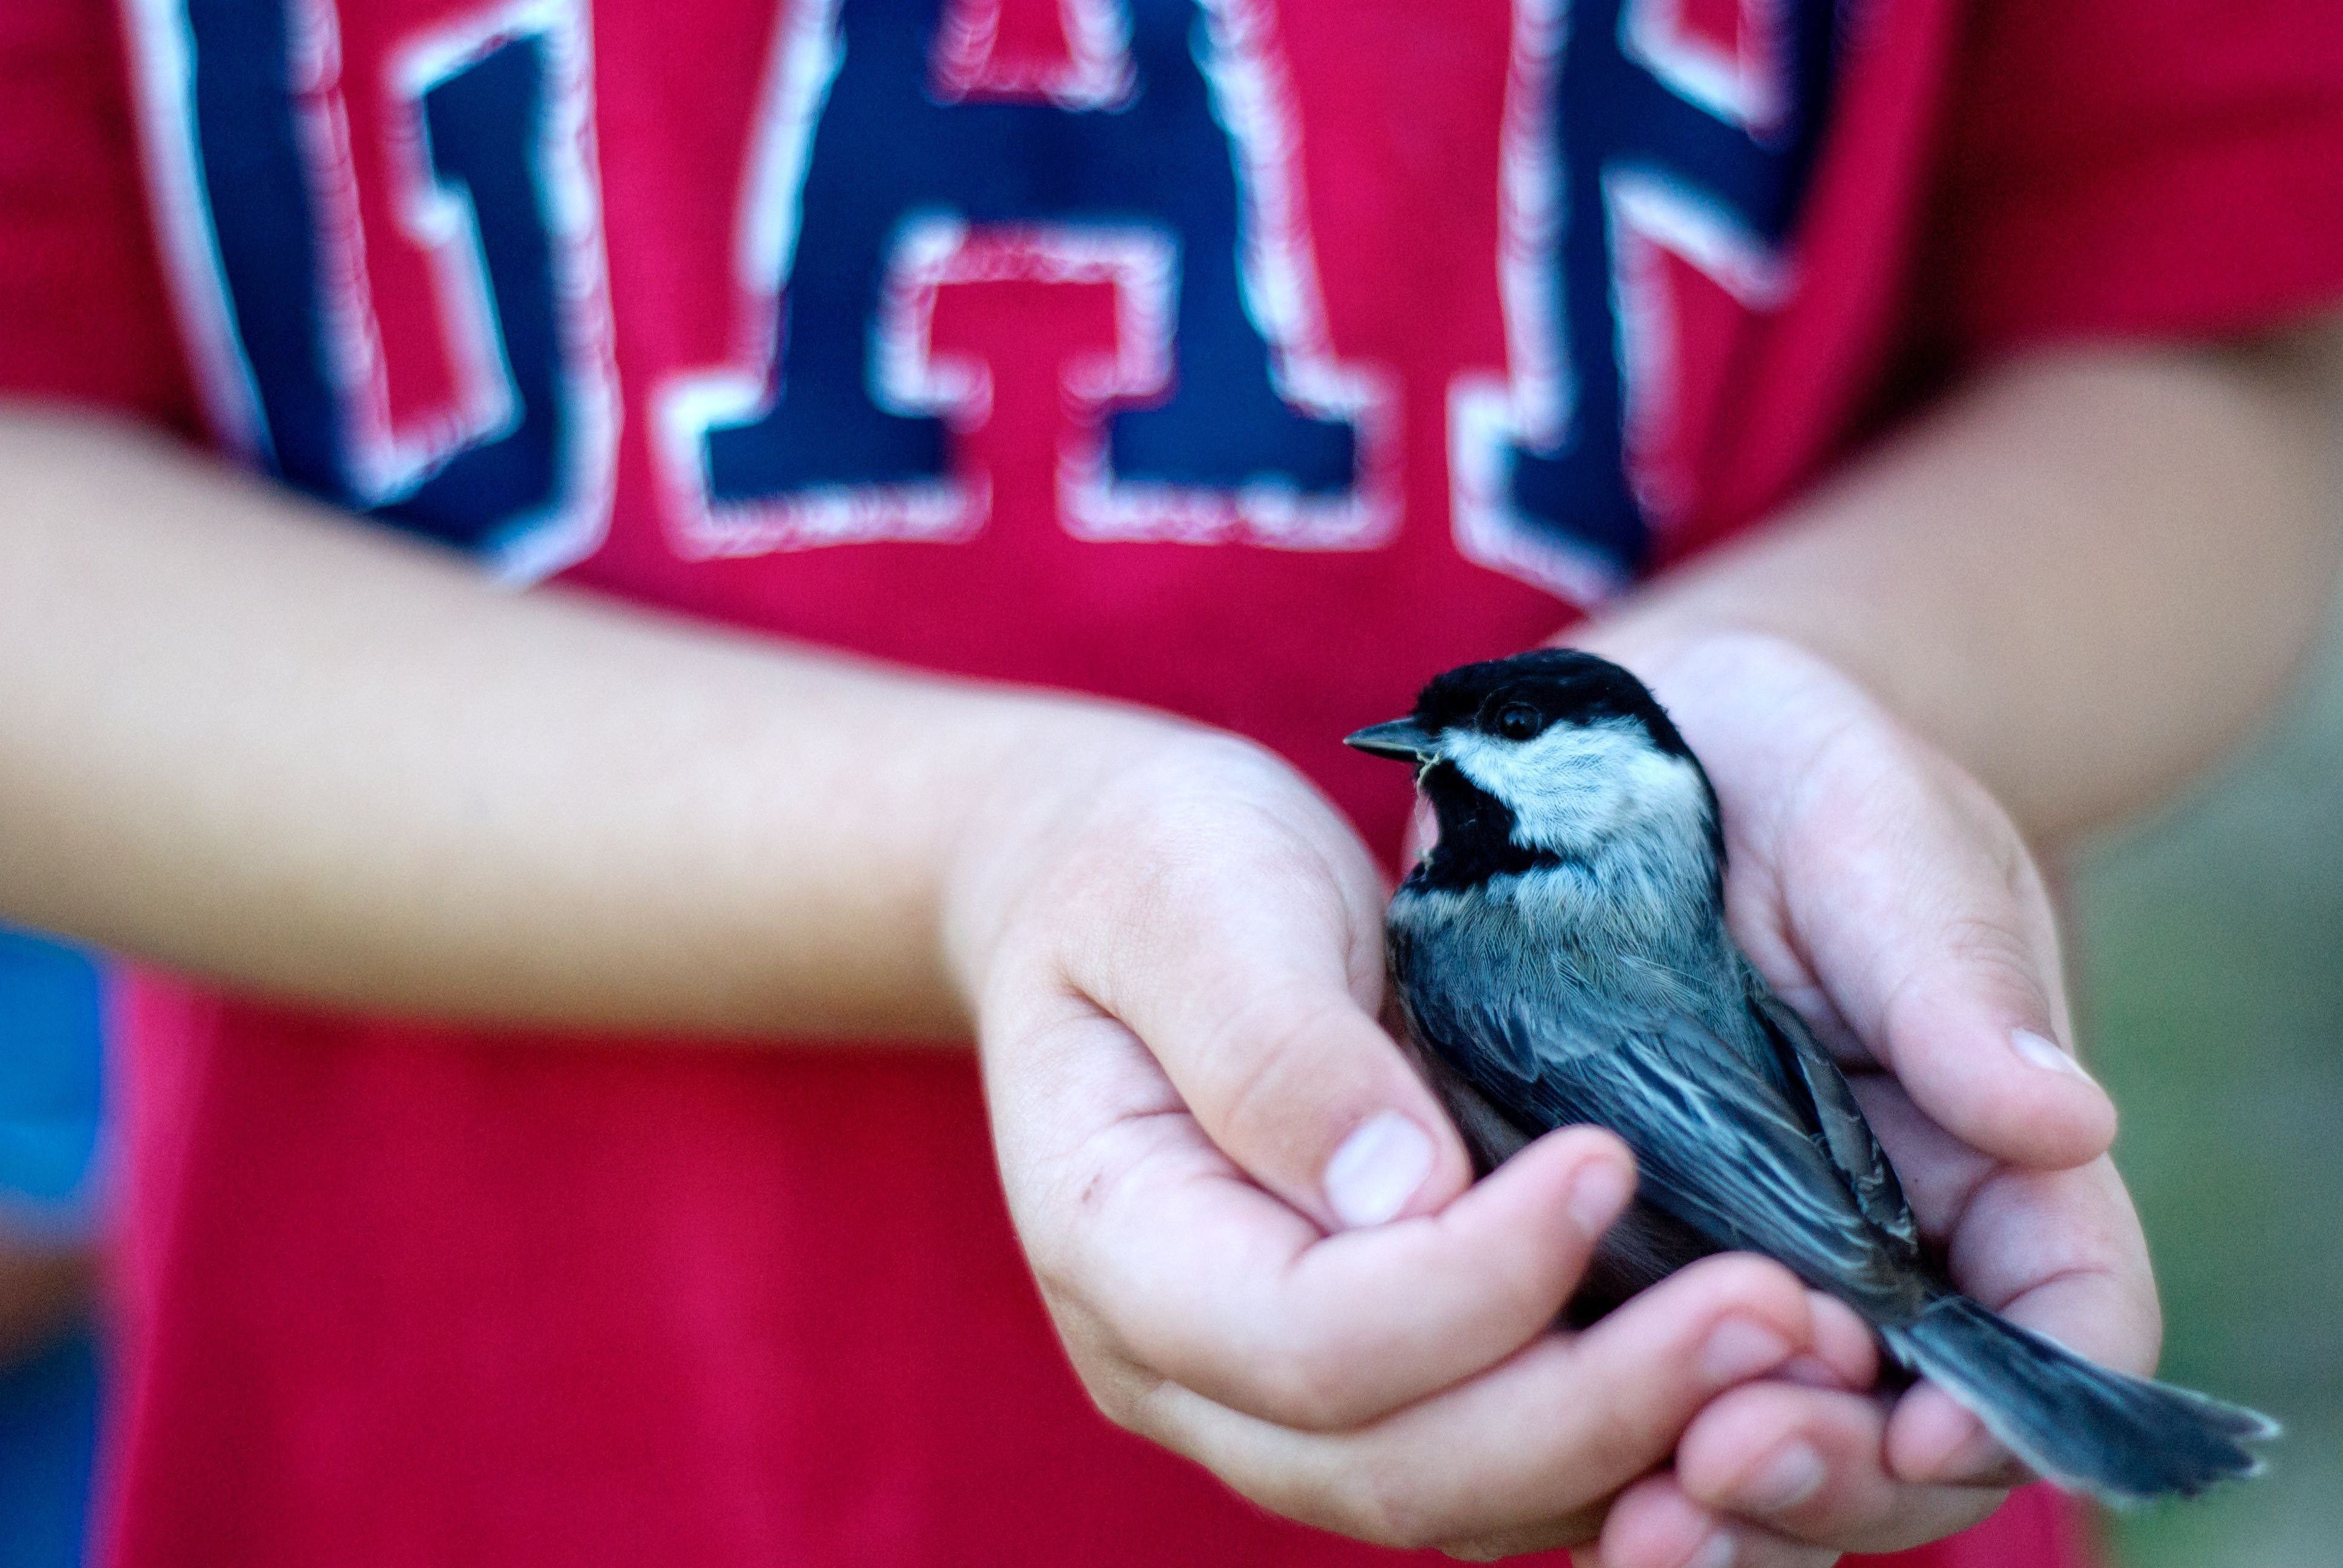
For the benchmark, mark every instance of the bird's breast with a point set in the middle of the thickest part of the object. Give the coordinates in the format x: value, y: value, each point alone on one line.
x: 1543, y: 937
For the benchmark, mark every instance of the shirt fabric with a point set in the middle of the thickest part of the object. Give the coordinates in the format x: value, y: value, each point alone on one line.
x: 52, y: 1197
x: 1251, y: 360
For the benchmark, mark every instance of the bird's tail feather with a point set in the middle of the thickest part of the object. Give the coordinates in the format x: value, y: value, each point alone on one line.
x: 2123, y: 1438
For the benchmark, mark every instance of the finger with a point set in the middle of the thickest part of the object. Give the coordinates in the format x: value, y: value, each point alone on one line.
x: 1931, y: 1440
x: 1532, y: 1444
x: 2061, y: 1253
x: 1198, y: 1275
x: 1549, y: 1537
x: 1350, y: 1327
x: 2058, y: 1252
x: 1925, y: 918
x: 1846, y: 1352
x: 1654, y: 1525
x: 1255, y: 987
x: 1903, y: 910
x: 1811, y: 1466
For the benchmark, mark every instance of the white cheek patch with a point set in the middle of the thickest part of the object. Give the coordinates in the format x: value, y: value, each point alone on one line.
x: 1577, y: 784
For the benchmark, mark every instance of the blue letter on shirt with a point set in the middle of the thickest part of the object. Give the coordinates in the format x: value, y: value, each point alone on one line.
x: 886, y: 152
x: 1635, y: 116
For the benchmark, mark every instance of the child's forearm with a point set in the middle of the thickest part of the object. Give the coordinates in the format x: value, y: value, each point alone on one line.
x: 245, y: 736
x: 2083, y: 575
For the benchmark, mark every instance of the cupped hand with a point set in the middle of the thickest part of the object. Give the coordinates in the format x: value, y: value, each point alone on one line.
x: 1889, y: 900
x: 1252, y: 1226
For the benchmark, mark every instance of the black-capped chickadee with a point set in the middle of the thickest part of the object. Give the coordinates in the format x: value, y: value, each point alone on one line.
x: 1561, y: 956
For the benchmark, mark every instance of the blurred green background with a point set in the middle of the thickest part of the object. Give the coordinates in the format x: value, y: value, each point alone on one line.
x: 2208, y: 945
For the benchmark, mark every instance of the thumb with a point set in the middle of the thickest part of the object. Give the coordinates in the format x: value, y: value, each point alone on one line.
x: 1258, y: 1002
x: 1942, y: 956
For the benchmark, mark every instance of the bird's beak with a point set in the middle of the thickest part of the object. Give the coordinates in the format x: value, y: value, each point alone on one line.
x: 1402, y: 740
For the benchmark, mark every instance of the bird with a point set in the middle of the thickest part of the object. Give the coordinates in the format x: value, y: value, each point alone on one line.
x: 1560, y: 957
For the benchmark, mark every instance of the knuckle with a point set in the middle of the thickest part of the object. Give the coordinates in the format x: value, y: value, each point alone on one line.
x: 1364, y: 1490
x: 1995, y: 954
x: 1134, y: 1403
x: 1055, y: 1247
x: 1315, y: 1386
x: 1117, y: 1387
x: 1113, y: 1398
x: 1744, y: 1281
x: 1986, y: 942
x: 1385, y: 1504
x: 1572, y: 1530
x: 1610, y: 1425
x: 1974, y: 954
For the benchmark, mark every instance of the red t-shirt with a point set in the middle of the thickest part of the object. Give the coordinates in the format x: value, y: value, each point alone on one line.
x: 1249, y: 360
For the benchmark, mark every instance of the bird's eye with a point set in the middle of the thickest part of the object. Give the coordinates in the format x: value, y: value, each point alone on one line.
x: 1518, y: 721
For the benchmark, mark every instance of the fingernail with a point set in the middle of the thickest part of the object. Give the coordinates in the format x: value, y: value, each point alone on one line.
x: 1738, y: 1350
x: 1791, y: 1476
x: 1716, y: 1552
x: 1810, y: 1372
x: 1377, y: 1169
x: 1597, y: 1193
x: 2039, y: 1050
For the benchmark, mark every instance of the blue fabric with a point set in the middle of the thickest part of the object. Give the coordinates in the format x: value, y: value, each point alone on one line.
x: 50, y: 1029
x: 1613, y: 117
x: 48, y: 1442
x: 482, y: 128
x: 51, y: 1094
x: 885, y: 151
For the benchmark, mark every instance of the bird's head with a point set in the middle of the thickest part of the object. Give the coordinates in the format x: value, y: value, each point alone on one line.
x: 1552, y: 754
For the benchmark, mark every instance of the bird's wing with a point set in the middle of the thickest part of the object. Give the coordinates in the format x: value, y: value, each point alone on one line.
x: 1835, y: 1118
x: 1717, y: 1144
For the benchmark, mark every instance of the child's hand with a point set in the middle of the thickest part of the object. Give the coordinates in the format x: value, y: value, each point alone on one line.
x: 1243, y: 1205
x: 1894, y: 904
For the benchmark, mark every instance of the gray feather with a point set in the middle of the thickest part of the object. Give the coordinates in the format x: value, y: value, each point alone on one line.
x: 1837, y: 1118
